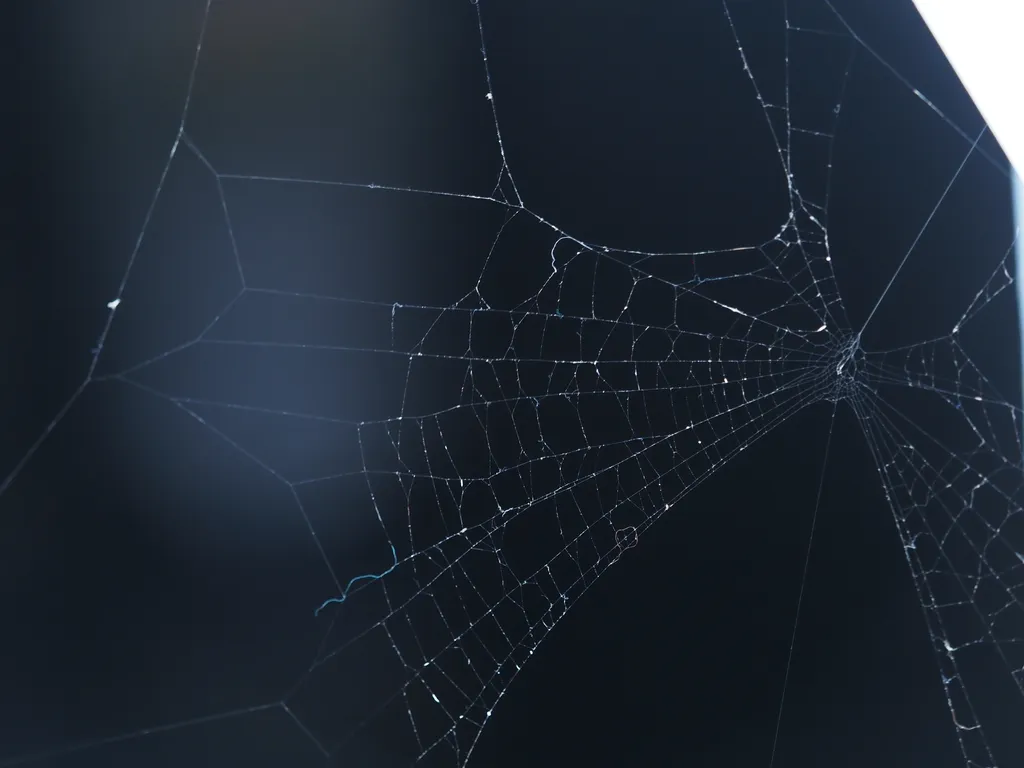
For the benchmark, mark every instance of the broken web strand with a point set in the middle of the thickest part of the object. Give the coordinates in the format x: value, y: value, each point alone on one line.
x: 511, y: 664
x: 793, y: 370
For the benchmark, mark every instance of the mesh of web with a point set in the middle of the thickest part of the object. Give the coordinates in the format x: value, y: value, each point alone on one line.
x: 759, y: 362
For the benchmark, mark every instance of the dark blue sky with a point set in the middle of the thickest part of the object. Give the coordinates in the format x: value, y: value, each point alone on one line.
x: 235, y: 456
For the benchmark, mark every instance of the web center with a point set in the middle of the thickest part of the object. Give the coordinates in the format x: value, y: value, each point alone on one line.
x: 844, y: 366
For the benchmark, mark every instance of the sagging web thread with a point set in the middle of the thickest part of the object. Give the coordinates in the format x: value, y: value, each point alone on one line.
x: 577, y: 449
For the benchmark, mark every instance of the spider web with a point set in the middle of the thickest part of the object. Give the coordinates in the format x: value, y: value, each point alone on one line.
x: 527, y: 433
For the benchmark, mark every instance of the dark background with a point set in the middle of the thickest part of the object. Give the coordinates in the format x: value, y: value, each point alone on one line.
x: 153, y: 573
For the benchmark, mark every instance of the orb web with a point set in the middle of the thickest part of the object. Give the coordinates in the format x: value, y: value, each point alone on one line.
x: 522, y: 444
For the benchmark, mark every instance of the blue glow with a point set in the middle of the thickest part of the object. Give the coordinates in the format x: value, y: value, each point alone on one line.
x: 1018, y: 217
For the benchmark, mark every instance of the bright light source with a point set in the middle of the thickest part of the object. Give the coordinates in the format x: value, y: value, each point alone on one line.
x: 982, y: 40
